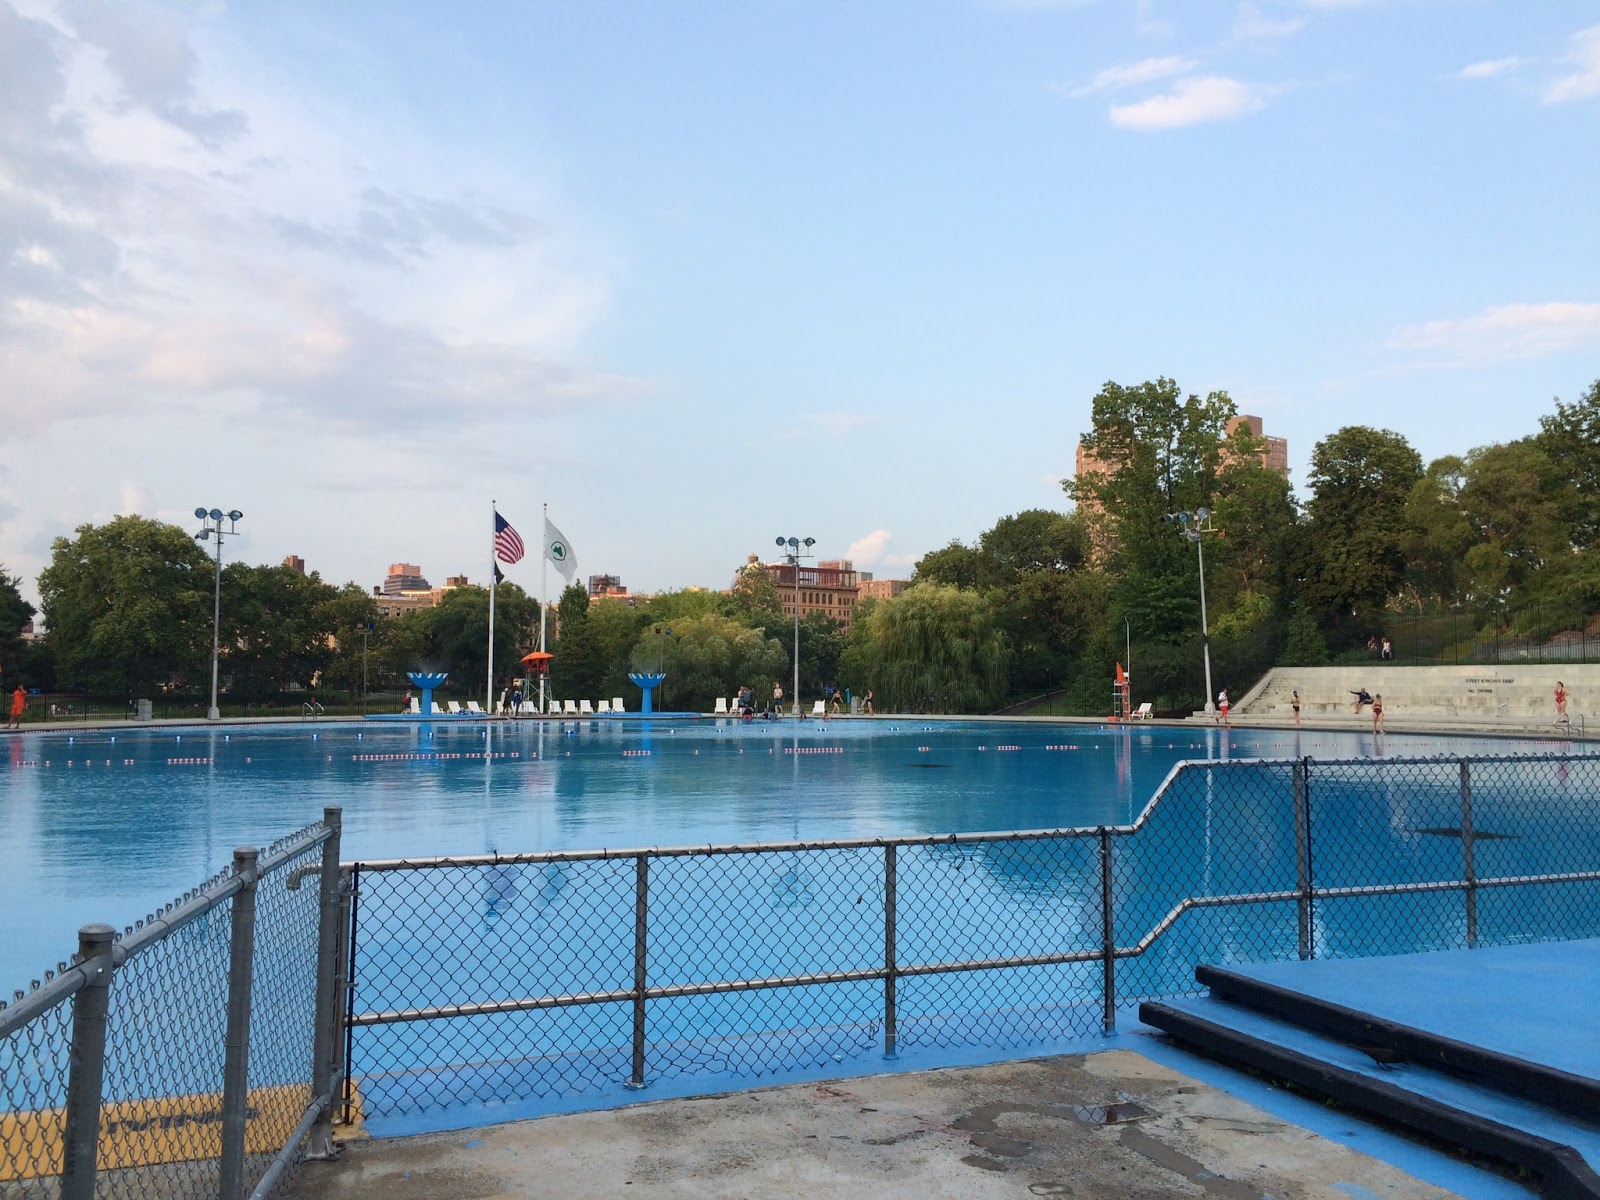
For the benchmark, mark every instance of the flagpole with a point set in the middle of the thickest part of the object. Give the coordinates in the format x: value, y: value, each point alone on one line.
x: 544, y: 596
x: 494, y: 571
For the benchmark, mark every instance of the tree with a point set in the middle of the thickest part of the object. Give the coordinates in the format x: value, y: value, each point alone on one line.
x: 276, y: 629
x: 1571, y: 438
x: 931, y: 648
x: 707, y: 657
x: 821, y: 646
x: 577, y: 670
x: 1361, y: 480
x: 15, y: 613
x: 127, y: 606
x: 456, y: 635
x: 754, y: 600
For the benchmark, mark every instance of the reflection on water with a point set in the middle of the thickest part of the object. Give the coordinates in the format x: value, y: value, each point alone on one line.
x: 107, y: 826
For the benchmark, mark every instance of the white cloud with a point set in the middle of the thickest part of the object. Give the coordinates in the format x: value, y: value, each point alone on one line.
x: 1191, y: 102
x: 871, y: 553
x: 1146, y: 71
x: 1584, y: 81
x: 1489, y: 69
x: 1250, y: 23
x: 174, y: 233
x: 1506, y: 333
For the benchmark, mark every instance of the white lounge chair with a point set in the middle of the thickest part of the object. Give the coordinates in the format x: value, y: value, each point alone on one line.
x: 437, y: 711
x: 529, y: 708
x: 819, y: 709
x: 569, y: 708
x: 602, y: 706
x: 475, y: 708
x: 454, y: 707
x: 721, y: 707
x: 617, y: 705
x: 585, y: 708
x: 416, y: 707
x: 1143, y: 713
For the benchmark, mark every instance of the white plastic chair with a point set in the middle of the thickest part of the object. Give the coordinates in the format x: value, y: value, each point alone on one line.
x: 819, y: 709
x: 721, y: 706
x: 585, y: 708
x: 569, y: 708
x: 602, y: 706
x: 1143, y: 713
x: 416, y: 707
x: 437, y: 711
x: 475, y: 708
x: 617, y: 705
x: 454, y: 706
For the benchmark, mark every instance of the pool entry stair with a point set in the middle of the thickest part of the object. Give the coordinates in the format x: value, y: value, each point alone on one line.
x: 1494, y: 1050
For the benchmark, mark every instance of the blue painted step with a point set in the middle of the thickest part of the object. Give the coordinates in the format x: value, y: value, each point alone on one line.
x: 1562, y: 1149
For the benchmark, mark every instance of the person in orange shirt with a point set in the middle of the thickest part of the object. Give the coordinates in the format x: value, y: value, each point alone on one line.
x: 19, y: 701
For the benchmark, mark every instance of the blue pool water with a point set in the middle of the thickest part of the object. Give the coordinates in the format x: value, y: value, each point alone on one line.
x: 105, y: 826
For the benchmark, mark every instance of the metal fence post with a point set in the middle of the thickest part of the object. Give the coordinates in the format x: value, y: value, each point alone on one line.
x: 87, y: 1064
x: 1108, y: 936
x: 1302, y: 858
x: 891, y: 1032
x: 349, y: 920
x: 323, y: 1042
x: 641, y: 917
x: 236, y: 1041
x: 1468, y: 866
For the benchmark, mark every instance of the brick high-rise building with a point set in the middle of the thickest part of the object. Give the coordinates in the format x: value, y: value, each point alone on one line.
x: 403, y: 578
x: 295, y: 563
x: 830, y: 587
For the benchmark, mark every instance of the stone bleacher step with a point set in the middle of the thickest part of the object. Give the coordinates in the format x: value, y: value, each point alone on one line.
x: 1478, y: 1116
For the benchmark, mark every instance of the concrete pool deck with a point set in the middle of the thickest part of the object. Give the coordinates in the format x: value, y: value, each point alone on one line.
x: 1113, y: 1123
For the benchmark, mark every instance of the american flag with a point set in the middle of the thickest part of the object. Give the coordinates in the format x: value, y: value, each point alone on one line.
x: 507, y: 544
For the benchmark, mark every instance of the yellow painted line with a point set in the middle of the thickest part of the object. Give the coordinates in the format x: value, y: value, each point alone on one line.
x: 145, y: 1133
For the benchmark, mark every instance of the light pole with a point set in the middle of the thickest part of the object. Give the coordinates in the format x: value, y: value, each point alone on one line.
x: 794, y: 555
x: 213, y: 529
x: 1194, y: 526
x: 366, y: 628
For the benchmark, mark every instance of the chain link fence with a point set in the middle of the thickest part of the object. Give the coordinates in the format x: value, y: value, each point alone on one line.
x: 190, y: 1055
x: 489, y: 981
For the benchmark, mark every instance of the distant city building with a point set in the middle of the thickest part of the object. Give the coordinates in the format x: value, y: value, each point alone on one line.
x: 398, y: 605
x: 1274, y: 455
x: 295, y: 563
x: 606, y: 585
x: 882, y: 589
x: 455, y: 581
x: 26, y: 633
x: 1274, y: 450
x: 830, y: 587
x: 403, y: 578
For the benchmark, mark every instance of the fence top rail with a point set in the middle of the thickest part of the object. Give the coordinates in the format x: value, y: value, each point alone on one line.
x: 427, y: 862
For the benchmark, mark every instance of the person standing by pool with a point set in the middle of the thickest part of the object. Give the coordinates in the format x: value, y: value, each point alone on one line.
x: 866, y: 703
x: 777, y: 699
x: 19, y: 701
x: 1561, y: 704
x: 405, y: 702
x: 837, y: 703
x: 1294, y: 703
x: 1377, y: 713
x: 1222, y: 707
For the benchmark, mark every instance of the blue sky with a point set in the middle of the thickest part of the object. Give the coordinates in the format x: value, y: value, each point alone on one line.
x: 700, y: 274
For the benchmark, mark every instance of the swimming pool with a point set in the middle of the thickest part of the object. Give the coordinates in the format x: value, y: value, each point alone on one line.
x: 105, y: 825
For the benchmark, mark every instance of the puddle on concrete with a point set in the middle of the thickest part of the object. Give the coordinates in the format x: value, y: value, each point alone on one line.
x: 1109, y: 1114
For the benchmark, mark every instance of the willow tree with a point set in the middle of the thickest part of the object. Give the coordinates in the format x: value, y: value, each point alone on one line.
x: 931, y: 648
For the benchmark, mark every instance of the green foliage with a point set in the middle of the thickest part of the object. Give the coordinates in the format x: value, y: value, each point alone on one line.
x: 127, y: 607
x: 754, y: 600
x: 455, y: 636
x: 1361, y: 481
x: 933, y: 648
x: 277, y: 629
x: 15, y: 612
x: 1305, y: 646
x: 709, y: 656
